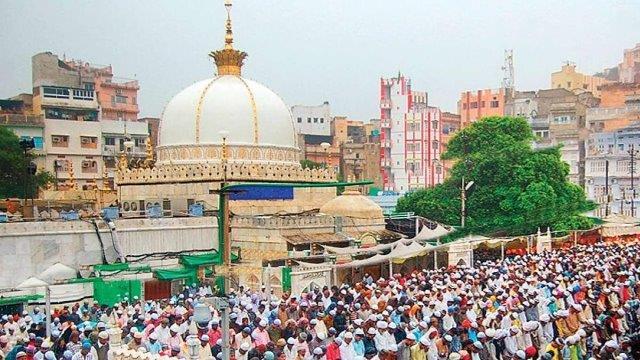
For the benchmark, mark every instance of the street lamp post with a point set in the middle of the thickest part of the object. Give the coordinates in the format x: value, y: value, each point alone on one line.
x: 226, y: 250
x: 632, y: 169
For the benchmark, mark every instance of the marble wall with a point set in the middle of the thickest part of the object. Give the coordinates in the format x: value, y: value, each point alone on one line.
x: 27, y: 249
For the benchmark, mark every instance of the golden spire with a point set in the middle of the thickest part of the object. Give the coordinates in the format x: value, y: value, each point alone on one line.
x: 72, y: 179
x: 228, y: 37
x: 228, y: 60
x: 105, y: 178
x: 148, y: 161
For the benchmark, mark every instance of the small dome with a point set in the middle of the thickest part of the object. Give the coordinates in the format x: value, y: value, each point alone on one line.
x: 352, y: 204
x: 251, y: 113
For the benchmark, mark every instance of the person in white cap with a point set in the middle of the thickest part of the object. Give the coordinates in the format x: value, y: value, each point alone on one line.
x: 101, y: 348
x: 347, y: 351
x: 243, y: 352
x: 383, y: 339
x: 404, y: 348
x: 260, y: 335
x: 174, y: 336
x: 609, y: 350
x: 290, y: 351
x: 205, y: 347
x: 162, y: 331
x: 136, y: 342
x: 318, y: 354
x: 420, y: 349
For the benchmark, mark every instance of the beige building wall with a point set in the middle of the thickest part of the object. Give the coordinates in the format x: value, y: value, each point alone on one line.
x: 568, y: 78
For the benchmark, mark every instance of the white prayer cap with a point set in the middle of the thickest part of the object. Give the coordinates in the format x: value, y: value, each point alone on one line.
x: 611, y: 344
x: 425, y: 341
x: 530, y: 325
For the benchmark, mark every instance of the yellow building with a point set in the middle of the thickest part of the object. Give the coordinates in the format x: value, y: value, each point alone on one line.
x: 568, y: 78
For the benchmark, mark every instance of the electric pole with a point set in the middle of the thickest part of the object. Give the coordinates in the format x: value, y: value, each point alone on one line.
x: 632, y: 170
x: 463, y: 197
x: 606, y: 187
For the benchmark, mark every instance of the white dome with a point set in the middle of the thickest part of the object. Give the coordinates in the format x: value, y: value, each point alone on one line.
x: 251, y: 113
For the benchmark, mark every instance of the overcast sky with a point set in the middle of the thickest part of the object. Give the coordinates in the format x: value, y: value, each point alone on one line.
x: 311, y: 51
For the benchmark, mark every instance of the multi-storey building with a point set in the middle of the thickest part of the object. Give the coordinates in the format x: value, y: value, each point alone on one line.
x: 619, y: 107
x: 85, y: 109
x: 154, y: 128
x: 629, y: 68
x: 312, y: 121
x: 557, y: 116
x: 451, y: 123
x: 608, y: 171
x: 568, y: 78
x: 410, y: 137
x: 474, y: 105
x: 16, y: 115
x: 361, y: 161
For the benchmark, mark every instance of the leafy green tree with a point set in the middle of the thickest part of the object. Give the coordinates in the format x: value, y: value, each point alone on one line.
x: 13, y: 165
x: 516, y: 188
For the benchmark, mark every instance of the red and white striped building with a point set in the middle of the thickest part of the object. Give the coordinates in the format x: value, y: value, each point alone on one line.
x: 410, y: 137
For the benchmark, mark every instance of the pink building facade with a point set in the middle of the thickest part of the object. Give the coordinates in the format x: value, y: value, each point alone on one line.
x: 410, y: 137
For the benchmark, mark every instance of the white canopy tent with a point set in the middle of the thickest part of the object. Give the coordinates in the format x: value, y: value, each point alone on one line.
x: 425, y: 234
x: 32, y: 283
x: 58, y: 273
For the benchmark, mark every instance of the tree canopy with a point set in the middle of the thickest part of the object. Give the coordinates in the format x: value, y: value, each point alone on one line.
x: 13, y: 165
x: 516, y: 190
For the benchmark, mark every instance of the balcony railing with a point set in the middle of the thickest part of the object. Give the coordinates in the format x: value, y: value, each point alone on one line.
x: 22, y: 120
x: 127, y: 84
x: 57, y: 92
x: 120, y: 106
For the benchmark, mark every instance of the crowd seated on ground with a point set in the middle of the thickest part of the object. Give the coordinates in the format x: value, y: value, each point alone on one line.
x: 571, y: 304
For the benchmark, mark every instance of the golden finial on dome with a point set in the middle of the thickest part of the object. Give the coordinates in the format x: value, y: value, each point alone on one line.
x: 228, y: 60
x: 228, y: 37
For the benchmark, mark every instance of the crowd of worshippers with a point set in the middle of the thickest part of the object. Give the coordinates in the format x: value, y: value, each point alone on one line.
x: 574, y: 304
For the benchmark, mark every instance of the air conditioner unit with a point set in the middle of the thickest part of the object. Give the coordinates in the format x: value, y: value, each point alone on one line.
x: 86, y: 140
x: 86, y: 165
x: 56, y: 139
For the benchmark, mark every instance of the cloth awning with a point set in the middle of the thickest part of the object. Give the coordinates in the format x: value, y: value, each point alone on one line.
x: 175, y: 274
x: 10, y: 300
x: 205, y: 259
x: 426, y: 234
